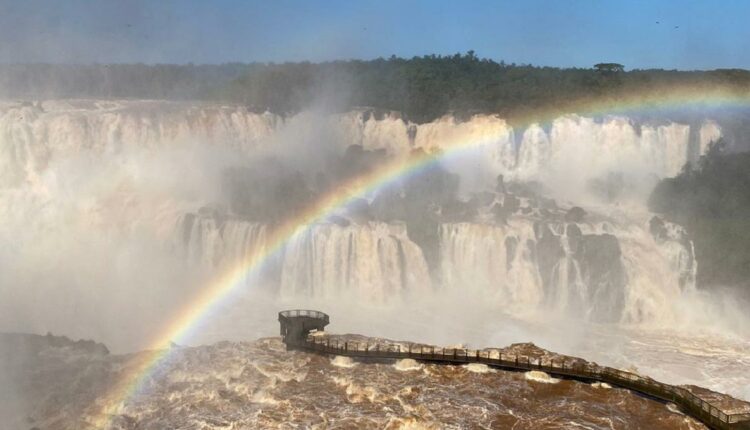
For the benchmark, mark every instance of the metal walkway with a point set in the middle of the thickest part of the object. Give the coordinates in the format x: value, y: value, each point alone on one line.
x: 296, y: 326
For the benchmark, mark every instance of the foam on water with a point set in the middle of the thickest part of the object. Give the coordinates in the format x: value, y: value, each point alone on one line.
x: 407, y: 364
x: 538, y: 376
x: 345, y: 362
x: 265, y: 398
x: 673, y: 408
x: 412, y: 424
x: 478, y: 368
x: 375, y: 396
x: 357, y: 393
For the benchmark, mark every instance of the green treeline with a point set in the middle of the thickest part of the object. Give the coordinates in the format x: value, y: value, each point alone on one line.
x: 423, y: 88
x: 712, y: 200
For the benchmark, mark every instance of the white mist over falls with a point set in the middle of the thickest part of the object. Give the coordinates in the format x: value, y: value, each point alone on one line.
x: 114, y: 214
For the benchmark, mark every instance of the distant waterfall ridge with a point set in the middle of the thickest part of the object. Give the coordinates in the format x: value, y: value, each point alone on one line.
x: 618, y: 264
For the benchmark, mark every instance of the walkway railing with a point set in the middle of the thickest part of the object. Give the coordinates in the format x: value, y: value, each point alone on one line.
x: 690, y: 403
x: 305, y: 313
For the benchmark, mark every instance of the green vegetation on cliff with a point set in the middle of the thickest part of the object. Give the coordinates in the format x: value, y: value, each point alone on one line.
x: 712, y: 200
x: 423, y: 88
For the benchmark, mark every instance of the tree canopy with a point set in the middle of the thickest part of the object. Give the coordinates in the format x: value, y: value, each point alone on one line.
x: 609, y: 67
x: 423, y: 88
x: 712, y: 201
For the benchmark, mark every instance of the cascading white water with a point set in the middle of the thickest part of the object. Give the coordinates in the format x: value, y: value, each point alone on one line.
x: 38, y: 142
x: 376, y: 261
x: 34, y: 137
x: 104, y: 238
x: 217, y: 243
x: 527, y: 264
x: 495, y: 262
x: 372, y: 261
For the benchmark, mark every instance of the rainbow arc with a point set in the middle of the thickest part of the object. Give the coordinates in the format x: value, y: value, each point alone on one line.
x: 144, y: 364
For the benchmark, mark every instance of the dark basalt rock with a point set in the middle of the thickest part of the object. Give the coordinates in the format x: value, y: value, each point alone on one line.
x: 501, y: 216
x: 218, y: 215
x: 360, y: 210
x: 412, y: 133
x: 600, y: 262
x: 658, y: 229
x: 388, y: 206
x: 549, y: 251
x: 500, y: 186
x: 546, y: 203
x: 575, y: 214
x: 457, y: 211
x: 482, y: 199
x: 573, y: 231
x: 511, y: 203
x: 525, y: 189
x: 35, y: 344
x: 511, y: 245
x: 339, y: 221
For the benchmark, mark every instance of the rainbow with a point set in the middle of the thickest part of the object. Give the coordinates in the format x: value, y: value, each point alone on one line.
x: 139, y: 368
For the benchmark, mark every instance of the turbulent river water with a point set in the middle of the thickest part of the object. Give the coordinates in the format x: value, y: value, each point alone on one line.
x: 114, y: 215
x: 244, y: 385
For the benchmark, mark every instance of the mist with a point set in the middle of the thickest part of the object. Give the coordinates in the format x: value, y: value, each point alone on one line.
x: 93, y: 225
x: 117, y: 213
x: 149, y: 149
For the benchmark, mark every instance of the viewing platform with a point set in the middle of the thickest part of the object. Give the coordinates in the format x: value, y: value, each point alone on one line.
x: 297, y: 325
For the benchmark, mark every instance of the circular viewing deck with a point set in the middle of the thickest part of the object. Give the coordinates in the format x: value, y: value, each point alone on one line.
x: 295, y: 313
x: 297, y: 323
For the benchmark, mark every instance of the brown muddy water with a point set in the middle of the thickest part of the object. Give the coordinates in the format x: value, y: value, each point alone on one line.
x: 251, y: 385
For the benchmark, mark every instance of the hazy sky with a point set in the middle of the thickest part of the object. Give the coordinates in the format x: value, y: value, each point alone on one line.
x: 688, y: 35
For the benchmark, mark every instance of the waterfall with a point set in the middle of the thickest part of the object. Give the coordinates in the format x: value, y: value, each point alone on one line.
x: 33, y: 137
x: 565, y: 155
x: 599, y: 271
x: 373, y: 261
x: 602, y: 270
x: 376, y: 261
x: 491, y: 261
x: 217, y: 243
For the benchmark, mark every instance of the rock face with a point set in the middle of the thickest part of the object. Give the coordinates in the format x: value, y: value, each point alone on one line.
x: 601, y: 269
x: 261, y: 385
x: 581, y: 272
x: 528, y: 264
x: 49, y: 381
x: 523, y: 261
x: 575, y: 214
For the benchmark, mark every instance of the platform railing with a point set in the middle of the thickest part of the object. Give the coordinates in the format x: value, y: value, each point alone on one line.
x: 557, y: 367
x: 304, y: 313
x: 576, y: 369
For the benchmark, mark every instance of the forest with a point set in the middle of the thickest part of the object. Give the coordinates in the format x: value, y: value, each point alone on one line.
x: 712, y: 201
x: 422, y: 88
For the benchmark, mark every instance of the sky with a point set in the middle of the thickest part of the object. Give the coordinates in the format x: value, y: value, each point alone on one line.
x: 672, y: 34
